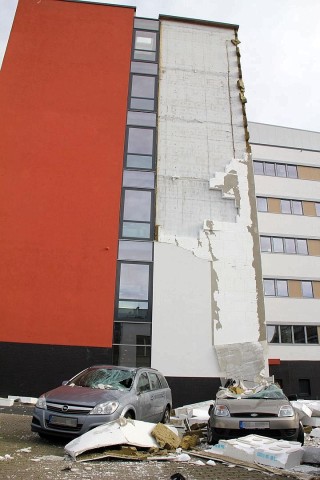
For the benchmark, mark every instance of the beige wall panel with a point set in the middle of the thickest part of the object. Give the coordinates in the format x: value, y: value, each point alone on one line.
x: 274, y: 205
x: 314, y: 247
x: 316, y: 289
x: 294, y: 287
x: 309, y: 209
x: 308, y: 173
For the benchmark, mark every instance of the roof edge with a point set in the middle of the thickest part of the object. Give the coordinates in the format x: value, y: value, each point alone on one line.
x: 198, y: 21
x: 87, y: 2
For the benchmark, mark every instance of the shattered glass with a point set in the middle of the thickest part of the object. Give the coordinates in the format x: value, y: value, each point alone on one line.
x: 111, y: 378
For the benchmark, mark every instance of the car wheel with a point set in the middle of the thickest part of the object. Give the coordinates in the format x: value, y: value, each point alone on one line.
x: 211, y: 437
x: 166, y: 416
x: 129, y: 415
x: 300, y: 437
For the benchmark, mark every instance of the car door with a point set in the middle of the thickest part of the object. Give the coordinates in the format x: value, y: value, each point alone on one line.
x: 158, y: 397
x: 144, y: 406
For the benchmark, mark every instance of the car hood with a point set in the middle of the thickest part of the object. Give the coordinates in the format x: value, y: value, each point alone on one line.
x: 83, y: 396
x: 256, y: 405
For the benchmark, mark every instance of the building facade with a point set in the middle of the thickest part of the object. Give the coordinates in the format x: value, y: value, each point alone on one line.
x: 129, y: 224
x: 287, y: 175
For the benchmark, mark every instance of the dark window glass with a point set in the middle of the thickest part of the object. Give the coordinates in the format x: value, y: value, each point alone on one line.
x: 269, y: 169
x: 131, y: 355
x: 140, y: 140
x: 134, y: 281
x: 304, y: 387
x: 297, y: 207
x: 312, y: 334
x: 141, y: 104
x: 290, y: 245
x: 146, y: 24
x: 262, y: 204
x: 298, y: 334
x: 137, y: 205
x: 292, y: 171
x: 154, y: 380
x: 285, y: 206
x: 273, y: 333
x: 281, y: 170
x: 282, y: 288
x: 277, y: 245
x: 126, y: 332
x: 307, y: 290
x: 286, y: 333
x: 131, y: 250
x: 136, y: 311
x: 136, y: 230
x: 144, y: 55
x: 302, y: 246
x: 139, y: 161
x: 265, y: 243
x: 133, y: 178
x: 142, y: 86
x: 258, y: 168
x: 148, y: 68
x: 269, y: 288
x: 142, y: 119
x: 317, y: 205
x: 145, y: 40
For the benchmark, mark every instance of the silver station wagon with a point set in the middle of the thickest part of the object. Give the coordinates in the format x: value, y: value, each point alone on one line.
x: 100, y: 394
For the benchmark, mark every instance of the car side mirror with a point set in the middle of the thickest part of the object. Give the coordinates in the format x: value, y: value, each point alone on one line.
x: 65, y: 382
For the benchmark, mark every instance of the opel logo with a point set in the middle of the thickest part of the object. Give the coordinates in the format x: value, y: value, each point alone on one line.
x: 65, y: 408
x: 254, y: 414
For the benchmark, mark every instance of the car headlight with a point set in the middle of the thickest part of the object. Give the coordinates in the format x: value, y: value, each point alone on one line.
x: 106, y: 408
x: 221, y: 411
x: 41, y: 403
x: 286, y: 411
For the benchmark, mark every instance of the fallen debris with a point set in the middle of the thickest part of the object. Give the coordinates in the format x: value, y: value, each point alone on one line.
x: 165, y: 437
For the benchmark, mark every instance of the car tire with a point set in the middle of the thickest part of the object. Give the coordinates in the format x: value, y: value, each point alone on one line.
x: 212, y: 439
x: 300, y: 437
x: 166, y: 416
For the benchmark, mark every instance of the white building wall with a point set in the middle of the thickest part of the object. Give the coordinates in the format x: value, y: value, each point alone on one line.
x: 206, y: 260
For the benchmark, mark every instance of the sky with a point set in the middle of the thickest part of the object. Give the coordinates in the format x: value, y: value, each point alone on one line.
x: 280, y: 50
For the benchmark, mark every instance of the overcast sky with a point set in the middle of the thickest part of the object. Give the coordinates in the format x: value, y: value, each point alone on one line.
x: 280, y: 50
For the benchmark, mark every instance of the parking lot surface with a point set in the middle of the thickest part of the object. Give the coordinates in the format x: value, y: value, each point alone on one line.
x: 29, y: 457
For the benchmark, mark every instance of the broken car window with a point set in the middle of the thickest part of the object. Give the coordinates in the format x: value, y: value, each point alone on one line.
x: 104, y: 378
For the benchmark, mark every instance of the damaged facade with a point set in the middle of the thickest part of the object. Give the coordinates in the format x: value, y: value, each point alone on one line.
x: 130, y: 230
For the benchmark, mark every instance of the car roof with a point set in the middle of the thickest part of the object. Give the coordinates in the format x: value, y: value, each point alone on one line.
x: 120, y: 367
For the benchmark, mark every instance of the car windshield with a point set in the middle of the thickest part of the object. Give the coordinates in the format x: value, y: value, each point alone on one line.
x: 104, y: 378
x: 272, y: 392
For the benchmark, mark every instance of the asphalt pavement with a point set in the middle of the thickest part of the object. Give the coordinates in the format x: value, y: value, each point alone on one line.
x: 24, y: 455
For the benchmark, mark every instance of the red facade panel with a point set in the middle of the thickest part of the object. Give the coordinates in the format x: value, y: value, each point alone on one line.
x: 63, y: 102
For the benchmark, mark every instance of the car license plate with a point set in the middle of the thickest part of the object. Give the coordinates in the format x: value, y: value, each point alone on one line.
x: 257, y: 425
x: 63, y: 421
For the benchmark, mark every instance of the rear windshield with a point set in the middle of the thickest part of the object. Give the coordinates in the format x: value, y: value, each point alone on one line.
x: 104, y: 378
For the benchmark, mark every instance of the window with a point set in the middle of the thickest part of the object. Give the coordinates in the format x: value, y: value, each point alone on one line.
x: 296, y: 207
x: 142, y: 119
x: 143, y: 384
x: 292, y: 171
x: 304, y: 387
x: 131, y: 310
x: 147, y: 68
x: 145, y: 40
x: 135, y: 250
x: 277, y: 245
x: 262, y: 204
x: 154, y: 380
x: 137, y: 205
x: 286, y: 333
x: 141, y: 104
x: 290, y: 245
x: 317, y: 205
x: 142, y: 86
x: 139, y: 161
x: 140, y: 140
x: 136, y: 230
x: 278, y: 288
x: 258, y: 168
x: 134, y: 178
x: 125, y: 333
x: 281, y: 170
x: 134, y: 281
x: 269, y: 169
x: 302, y: 246
x: 294, y: 334
x: 265, y: 243
x: 285, y: 206
x: 307, y: 290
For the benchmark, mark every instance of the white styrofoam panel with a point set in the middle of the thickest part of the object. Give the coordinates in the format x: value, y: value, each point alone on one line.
x: 300, y: 311
x: 285, y: 155
x: 279, y: 265
x: 182, y: 316
x: 288, y: 225
x: 290, y: 188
